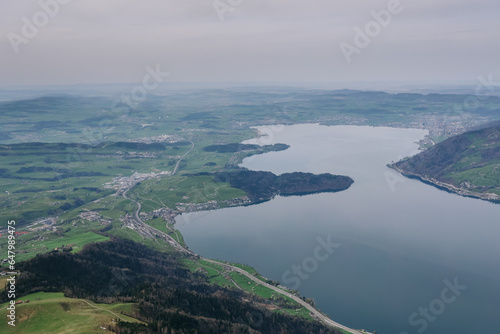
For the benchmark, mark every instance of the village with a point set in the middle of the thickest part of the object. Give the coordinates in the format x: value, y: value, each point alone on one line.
x: 95, y: 217
x: 123, y: 183
x: 212, y: 205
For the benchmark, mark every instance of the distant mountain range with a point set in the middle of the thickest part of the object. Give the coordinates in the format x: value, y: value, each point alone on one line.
x: 467, y: 164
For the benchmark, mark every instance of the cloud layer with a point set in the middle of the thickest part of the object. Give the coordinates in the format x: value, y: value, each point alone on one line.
x: 90, y: 41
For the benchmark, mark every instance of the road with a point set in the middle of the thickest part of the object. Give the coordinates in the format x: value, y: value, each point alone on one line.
x: 315, y: 312
x: 178, y: 162
x: 186, y: 251
x: 102, y: 309
x: 180, y: 248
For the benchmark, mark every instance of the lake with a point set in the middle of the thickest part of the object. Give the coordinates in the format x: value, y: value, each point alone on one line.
x: 389, y: 254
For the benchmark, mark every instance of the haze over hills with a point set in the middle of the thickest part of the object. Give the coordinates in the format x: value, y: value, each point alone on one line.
x: 468, y: 164
x: 204, y: 167
x: 93, y: 119
x: 85, y: 169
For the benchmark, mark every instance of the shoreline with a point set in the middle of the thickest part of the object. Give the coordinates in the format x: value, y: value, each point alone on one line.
x: 493, y: 198
x: 315, y: 313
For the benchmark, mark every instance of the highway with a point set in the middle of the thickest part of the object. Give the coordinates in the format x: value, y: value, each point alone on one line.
x: 315, y: 312
x: 178, y: 162
x: 320, y: 316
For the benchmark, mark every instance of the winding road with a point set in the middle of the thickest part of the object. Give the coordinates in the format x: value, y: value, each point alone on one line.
x: 317, y: 314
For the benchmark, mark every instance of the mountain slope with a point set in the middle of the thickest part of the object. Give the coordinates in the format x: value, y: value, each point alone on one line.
x: 165, y: 296
x: 467, y: 164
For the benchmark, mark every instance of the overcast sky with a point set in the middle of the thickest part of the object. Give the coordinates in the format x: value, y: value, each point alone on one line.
x: 112, y: 41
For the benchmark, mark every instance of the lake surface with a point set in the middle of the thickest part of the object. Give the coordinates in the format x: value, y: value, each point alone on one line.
x: 396, y: 245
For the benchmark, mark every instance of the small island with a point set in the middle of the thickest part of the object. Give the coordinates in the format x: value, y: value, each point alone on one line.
x: 263, y: 186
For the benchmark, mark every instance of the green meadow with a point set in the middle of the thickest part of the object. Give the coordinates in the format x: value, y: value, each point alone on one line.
x: 48, y: 313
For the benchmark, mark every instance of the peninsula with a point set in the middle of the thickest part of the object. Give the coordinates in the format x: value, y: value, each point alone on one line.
x: 467, y: 164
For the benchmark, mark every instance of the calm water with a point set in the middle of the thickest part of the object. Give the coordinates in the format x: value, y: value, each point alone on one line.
x: 396, y: 240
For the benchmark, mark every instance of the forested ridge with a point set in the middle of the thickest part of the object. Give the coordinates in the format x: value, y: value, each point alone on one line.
x: 171, y: 299
x: 469, y: 162
x: 262, y: 186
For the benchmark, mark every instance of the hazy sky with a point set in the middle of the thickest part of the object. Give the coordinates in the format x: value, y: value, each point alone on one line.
x: 107, y: 41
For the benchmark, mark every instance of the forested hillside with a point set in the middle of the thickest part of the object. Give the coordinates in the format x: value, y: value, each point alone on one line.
x: 468, y: 164
x: 171, y: 299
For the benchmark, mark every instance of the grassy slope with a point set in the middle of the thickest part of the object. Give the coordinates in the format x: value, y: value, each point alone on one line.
x: 32, y: 199
x: 28, y: 245
x: 155, y: 194
x: 469, y: 161
x: 216, y: 275
x: 34, y: 194
x: 73, y: 315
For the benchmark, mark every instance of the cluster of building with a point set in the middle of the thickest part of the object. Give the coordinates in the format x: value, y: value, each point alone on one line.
x: 141, y: 155
x: 212, y: 205
x: 439, y: 126
x: 165, y: 213
x: 123, y: 183
x: 156, y: 139
x: 120, y: 156
x: 142, y: 229
x: 192, y: 207
x: 95, y: 217
x: 44, y: 224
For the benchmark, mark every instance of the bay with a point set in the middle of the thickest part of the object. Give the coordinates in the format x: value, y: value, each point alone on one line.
x: 399, y: 244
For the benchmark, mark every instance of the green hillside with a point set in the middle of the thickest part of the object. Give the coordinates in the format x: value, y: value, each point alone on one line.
x: 467, y: 164
x: 149, y: 292
x: 73, y: 315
